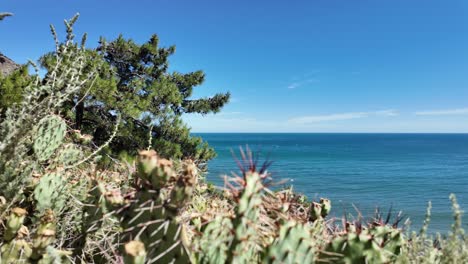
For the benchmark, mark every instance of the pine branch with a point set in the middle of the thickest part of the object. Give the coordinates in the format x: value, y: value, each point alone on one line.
x: 5, y: 14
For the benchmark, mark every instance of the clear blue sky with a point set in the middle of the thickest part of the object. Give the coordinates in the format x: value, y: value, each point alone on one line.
x: 291, y: 66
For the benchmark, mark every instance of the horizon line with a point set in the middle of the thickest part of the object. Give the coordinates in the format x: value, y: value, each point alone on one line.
x: 198, y: 132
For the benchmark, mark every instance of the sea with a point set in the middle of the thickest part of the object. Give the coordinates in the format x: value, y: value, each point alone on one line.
x: 360, y: 173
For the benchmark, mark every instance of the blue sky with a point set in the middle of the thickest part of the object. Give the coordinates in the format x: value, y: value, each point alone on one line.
x: 291, y: 66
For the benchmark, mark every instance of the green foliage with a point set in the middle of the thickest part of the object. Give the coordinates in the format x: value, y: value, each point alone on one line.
x: 31, y: 136
x: 12, y: 87
x: 455, y: 248
x: 27, y: 126
x: 131, y: 80
x: 134, y: 81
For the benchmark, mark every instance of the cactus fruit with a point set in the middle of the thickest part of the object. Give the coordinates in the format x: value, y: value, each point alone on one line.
x: 18, y: 250
x: 50, y: 193
x: 315, y: 211
x: 326, y: 207
x: 50, y: 134
x: 45, y: 235
x: 294, y: 245
x: 319, y: 210
x: 15, y: 249
x: 155, y: 170
x: 135, y: 253
x: 14, y: 223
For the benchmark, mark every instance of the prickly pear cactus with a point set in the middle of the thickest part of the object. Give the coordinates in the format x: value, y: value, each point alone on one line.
x: 15, y: 249
x: 244, y: 246
x: 379, y: 244
x: 54, y: 255
x: 50, y: 134
x: 14, y: 223
x: 69, y: 155
x: 50, y: 193
x: 151, y: 215
x: 215, y: 240
x: 294, y: 245
x: 388, y: 238
x: 45, y: 235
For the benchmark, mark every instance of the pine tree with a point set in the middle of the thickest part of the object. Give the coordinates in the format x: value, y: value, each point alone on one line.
x: 12, y: 86
x: 135, y: 83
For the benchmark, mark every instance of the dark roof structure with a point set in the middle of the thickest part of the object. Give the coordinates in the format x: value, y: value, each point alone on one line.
x: 7, y: 65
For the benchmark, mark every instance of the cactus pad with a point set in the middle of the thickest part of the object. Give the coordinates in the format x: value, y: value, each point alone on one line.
x: 50, y: 134
x: 50, y: 193
x: 294, y: 245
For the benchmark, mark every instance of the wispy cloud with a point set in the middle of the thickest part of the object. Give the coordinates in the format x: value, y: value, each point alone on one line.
x: 459, y: 111
x: 389, y: 112
x: 331, y: 117
x: 297, y: 84
x: 341, y: 116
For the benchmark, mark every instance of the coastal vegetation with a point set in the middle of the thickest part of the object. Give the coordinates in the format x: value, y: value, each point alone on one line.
x: 71, y: 191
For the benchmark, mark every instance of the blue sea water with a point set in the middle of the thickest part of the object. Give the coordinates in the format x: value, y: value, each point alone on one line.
x: 403, y: 171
